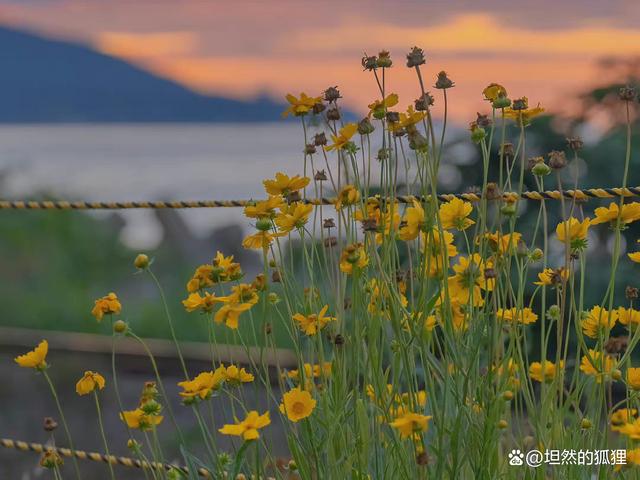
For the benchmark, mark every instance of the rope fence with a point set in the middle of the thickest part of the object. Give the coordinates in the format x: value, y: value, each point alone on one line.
x: 584, y: 194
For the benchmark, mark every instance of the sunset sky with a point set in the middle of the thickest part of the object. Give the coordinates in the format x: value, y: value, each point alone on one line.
x: 546, y: 50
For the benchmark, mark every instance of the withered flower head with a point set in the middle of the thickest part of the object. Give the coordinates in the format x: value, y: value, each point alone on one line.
x: 330, y: 242
x: 369, y: 225
x: 483, y: 121
x: 631, y: 293
x: 333, y: 113
x: 49, y: 424
x: 417, y: 141
x: 415, y: 57
x: 369, y: 63
x: 310, y: 149
x: 384, y: 59
x: 520, y: 104
x: 293, y: 197
x: 443, y: 82
x: 627, y: 94
x: 422, y: 104
x: 393, y: 117
x: 338, y: 340
x: 616, y: 345
x: 422, y: 459
x: 506, y: 150
x: 557, y: 159
x: 383, y: 154
x: 493, y: 191
x: 332, y: 94
x: 490, y: 273
x: 575, y: 143
x: 320, y: 176
x: 318, y: 108
x: 275, y: 276
x: 329, y: 223
x: 320, y: 139
x: 365, y: 127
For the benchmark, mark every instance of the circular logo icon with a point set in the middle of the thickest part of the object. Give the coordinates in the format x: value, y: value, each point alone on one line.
x: 534, y: 458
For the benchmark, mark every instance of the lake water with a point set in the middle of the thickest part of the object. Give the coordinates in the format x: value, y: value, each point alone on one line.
x: 149, y: 162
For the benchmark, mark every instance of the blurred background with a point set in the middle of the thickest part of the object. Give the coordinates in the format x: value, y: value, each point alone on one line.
x: 163, y: 100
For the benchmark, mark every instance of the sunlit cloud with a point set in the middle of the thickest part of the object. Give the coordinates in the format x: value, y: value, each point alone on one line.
x: 146, y: 45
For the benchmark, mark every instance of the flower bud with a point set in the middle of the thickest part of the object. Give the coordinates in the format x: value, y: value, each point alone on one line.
x: 365, y: 127
x: 320, y: 139
x: 520, y: 104
x: 586, y: 424
x: 422, y: 104
x: 501, y: 101
x: 575, y: 143
x: 631, y: 293
x: 557, y: 159
x: 273, y: 298
x: 507, y: 395
x: 536, y: 255
x: 49, y: 424
x: 333, y: 114
x: 309, y: 149
x: 443, y: 82
x: 508, y: 210
x: 51, y: 459
x: 541, y: 169
x: 415, y: 57
x: 263, y: 224
x: 141, y: 261
x: 502, y: 424
x: 627, y: 94
x: 120, y: 326
x: 320, y: 176
x: 616, y: 374
x: 332, y: 94
x: 369, y: 63
x: 477, y: 133
x: 133, y: 444
x: 384, y: 60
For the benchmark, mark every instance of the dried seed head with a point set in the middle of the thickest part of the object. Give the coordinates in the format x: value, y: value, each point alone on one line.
x: 417, y: 141
x: 293, y: 197
x: 320, y: 139
x: 332, y: 94
x: 338, y: 340
x: 423, y: 103
x: 51, y: 459
x: 483, y: 121
x: 616, y: 345
x: 383, y: 154
x: 275, y: 276
x: 369, y: 63
x: 490, y: 273
x: 329, y: 223
x: 493, y: 191
x: 506, y: 150
x: 320, y: 176
x: 268, y: 328
x: 369, y: 225
x: 422, y: 459
x: 627, y: 94
x: 631, y: 293
x: 330, y: 242
x: 318, y: 108
x: 520, y: 104
x: 443, y: 82
x: 49, y: 424
x: 333, y: 113
x: 365, y: 127
x: 557, y: 159
x: 415, y: 57
x: 310, y: 149
x: 575, y: 143
x: 384, y: 59
x: 393, y: 117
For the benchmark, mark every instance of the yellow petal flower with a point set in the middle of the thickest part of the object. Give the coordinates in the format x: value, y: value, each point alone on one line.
x: 89, y: 382
x: 35, y: 358
x: 297, y: 404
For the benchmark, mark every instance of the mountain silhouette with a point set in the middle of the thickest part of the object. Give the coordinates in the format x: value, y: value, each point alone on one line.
x: 46, y: 80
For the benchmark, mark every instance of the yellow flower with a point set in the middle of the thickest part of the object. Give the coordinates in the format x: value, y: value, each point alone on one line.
x: 598, y: 320
x: 89, y: 382
x: 224, y: 268
x: 343, y: 137
x: 260, y: 240
x: 504, y: 243
x: 353, y: 256
x: 285, y: 185
x: 574, y: 231
x: 138, y: 419
x: 603, y: 366
x: 469, y: 280
x: 493, y: 91
x: 633, y: 378
x: 349, y: 195
x: 407, y: 120
x: 297, y: 404
x: 300, y: 106
x: 631, y: 430
x: 629, y: 316
x: 413, y: 222
x: 635, y: 257
x: 379, y: 107
x: 630, y: 213
x: 293, y: 216
x: 523, y: 315
x: 523, y: 117
x: 202, y: 386
x: 243, y: 293
x: 195, y: 301
x: 35, y: 358
x: 549, y: 276
x: 229, y: 314
x: 621, y: 417
x: 247, y: 428
x: 432, y: 247
x: 311, y: 371
x: 544, y: 372
x: 312, y: 324
x: 410, y: 423
x: 454, y: 213
x: 235, y: 375
x: 202, y: 278
x: 264, y: 208
x: 108, y: 304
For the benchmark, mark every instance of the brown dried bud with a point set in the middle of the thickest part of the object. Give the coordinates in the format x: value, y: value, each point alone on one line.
x: 423, y: 103
x: 329, y: 223
x: 330, y: 242
x: 384, y: 59
x: 333, y: 114
x: 332, y: 94
x: 422, y: 459
x: 532, y: 161
x: 293, y: 197
x: 616, y: 345
x: 320, y: 139
x: 575, y: 143
x: 631, y: 293
x: 393, y: 117
x: 383, y: 154
x: 310, y: 149
x: 443, y: 82
x: 338, y: 340
x: 506, y: 150
x: 365, y: 127
x: 483, y: 121
x: 520, y: 104
x: 268, y: 328
x: 557, y: 159
x: 318, y: 108
x: 417, y: 141
x: 490, y: 273
x: 415, y: 57
x: 627, y: 94
x: 493, y: 191
x: 369, y: 63
x: 275, y: 276
x: 320, y: 176
x: 49, y: 424
x: 369, y: 225
x: 347, y: 303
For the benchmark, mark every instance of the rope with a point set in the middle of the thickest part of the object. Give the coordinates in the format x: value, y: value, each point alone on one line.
x: 471, y: 197
x: 95, y: 457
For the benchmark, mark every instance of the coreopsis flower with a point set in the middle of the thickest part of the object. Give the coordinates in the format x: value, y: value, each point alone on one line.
x: 633, y: 378
x: 631, y: 430
x: 51, y: 459
x: 503, y: 244
x: 234, y: 375
x: 378, y: 109
x: 574, y: 232
x: 508, y: 372
x: 459, y: 318
x: 242, y: 293
x: 433, y: 247
x: 229, y: 314
x: 36, y: 358
x: 224, y: 268
x: 285, y: 185
x: 264, y: 208
x: 377, y: 219
x: 310, y: 372
x: 247, y: 428
x: 312, y: 324
x: 413, y: 222
x: 353, y: 256
x: 550, y: 276
x: 410, y: 423
x: 598, y: 320
x: 454, y: 214
x: 382, y: 298
x: 469, y: 280
x: 524, y: 316
x: 407, y: 120
x: 343, y: 138
x: 109, y: 304
x: 629, y: 317
x: 300, y: 106
x: 493, y: 91
x: 293, y: 216
x: 202, y: 278
x: 297, y: 404
x: 202, y: 386
x: 635, y: 257
x: 629, y: 213
x: 599, y: 366
x: 348, y: 195
x: 260, y: 240
x: 545, y: 372
x: 138, y: 419
x: 205, y: 302
x: 89, y: 382
x: 522, y: 116
x: 621, y: 417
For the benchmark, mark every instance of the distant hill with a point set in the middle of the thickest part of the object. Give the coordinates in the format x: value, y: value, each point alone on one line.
x: 45, y: 80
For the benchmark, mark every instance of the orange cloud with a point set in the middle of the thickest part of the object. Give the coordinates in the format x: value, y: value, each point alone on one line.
x: 146, y: 45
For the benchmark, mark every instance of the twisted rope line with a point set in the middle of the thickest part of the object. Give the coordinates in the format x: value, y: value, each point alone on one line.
x: 471, y: 197
x: 94, y: 456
